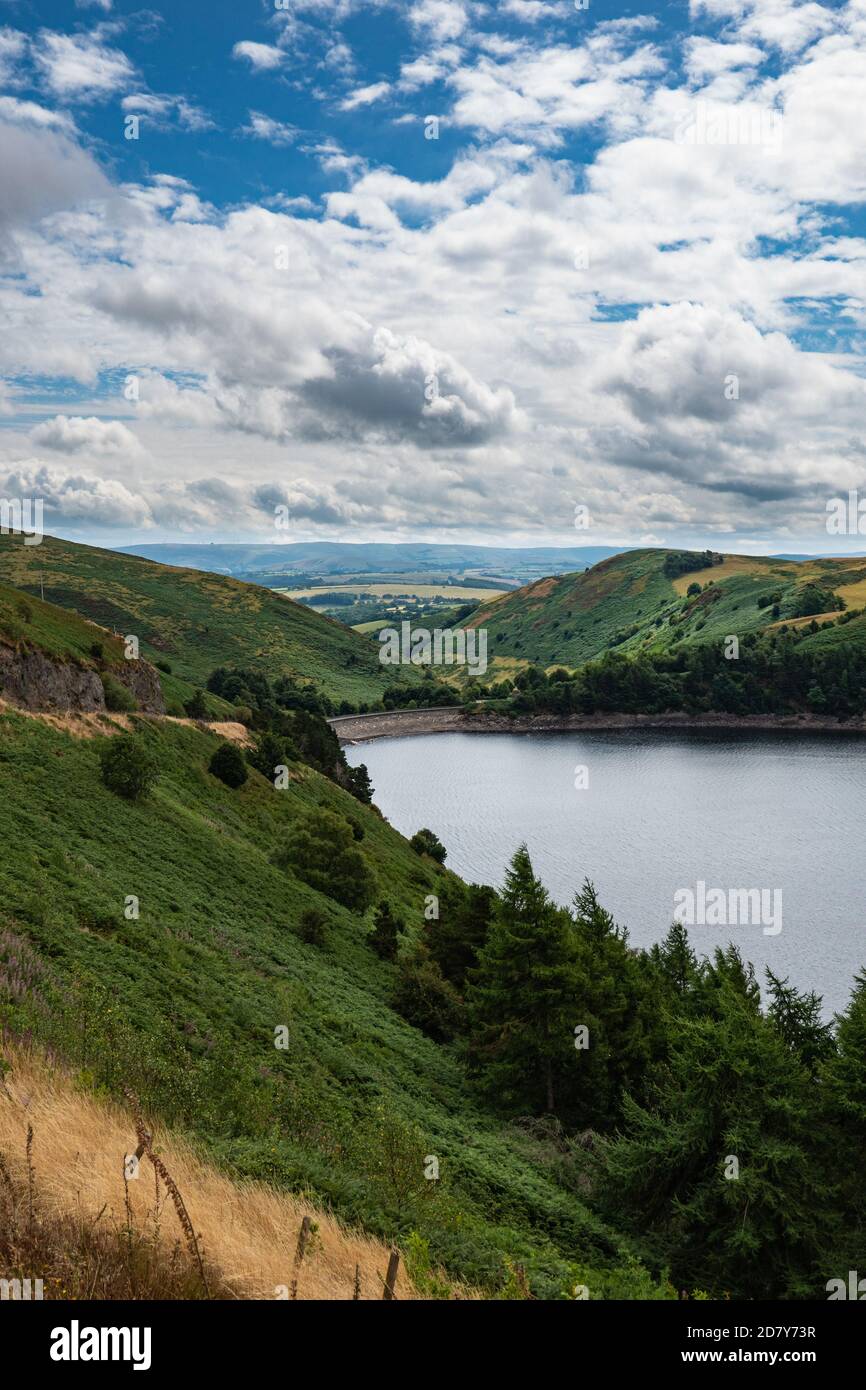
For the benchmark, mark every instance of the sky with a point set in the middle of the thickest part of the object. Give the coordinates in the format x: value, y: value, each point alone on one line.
x: 535, y: 272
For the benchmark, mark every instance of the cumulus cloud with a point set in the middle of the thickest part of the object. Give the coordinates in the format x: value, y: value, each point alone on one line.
x: 41, y: 170
x: 263, y: 127
x: 262, y: 57
x: 77, y: 434
x: 79, y: 67
x: 365, y: 96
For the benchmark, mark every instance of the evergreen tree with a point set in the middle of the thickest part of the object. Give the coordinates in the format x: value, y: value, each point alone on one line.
x: 384, y: 938
x: 717, y: 1178
x: 268, y: 755
x: 521, y: 997
x: 228, y: 765
x: 456, y: 937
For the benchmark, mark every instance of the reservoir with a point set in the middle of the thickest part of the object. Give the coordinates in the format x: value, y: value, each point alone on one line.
x: 648, y: 816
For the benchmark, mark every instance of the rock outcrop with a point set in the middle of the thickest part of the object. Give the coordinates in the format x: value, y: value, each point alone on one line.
x: 36, y: 681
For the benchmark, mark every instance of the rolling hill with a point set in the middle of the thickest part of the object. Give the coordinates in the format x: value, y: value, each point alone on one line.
x: 196, y: 621
x: 637, y: 601
x: 180, y: 1002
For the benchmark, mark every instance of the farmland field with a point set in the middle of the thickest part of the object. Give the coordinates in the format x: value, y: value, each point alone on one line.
x: 455, y: 591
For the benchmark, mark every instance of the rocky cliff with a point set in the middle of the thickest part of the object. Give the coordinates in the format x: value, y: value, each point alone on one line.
x: 31, y: 678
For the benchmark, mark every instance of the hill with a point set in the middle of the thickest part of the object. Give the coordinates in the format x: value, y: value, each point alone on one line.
x: 86, y: 1243
x: 654, y: 599
x: 196, y: 621
x: 181, y: 1000
x: 314, y: 558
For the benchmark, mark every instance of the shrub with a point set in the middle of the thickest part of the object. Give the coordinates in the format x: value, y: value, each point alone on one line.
x: 196, y: 707
x: 425, y: 842
x: 228, y: 765
x: 426, y: 999
x: 128, y: 767
x: 385, y: 934
x: 164, y: 666
x: 267, y: 756
x: 97, y: 651
x: 117, y: 697
x: 322, y: 853
x: 312, y: 927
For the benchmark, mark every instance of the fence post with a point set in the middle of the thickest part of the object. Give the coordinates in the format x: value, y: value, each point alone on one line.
x: 391, y: 1276
x: 303, y: 1237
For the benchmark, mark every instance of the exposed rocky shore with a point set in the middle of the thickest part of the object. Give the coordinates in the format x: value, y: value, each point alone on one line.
x: 401, y: 723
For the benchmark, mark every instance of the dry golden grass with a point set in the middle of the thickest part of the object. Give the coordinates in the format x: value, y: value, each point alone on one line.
x: 80, y: 724
x: 247, y: 1232
x: 732, y: 564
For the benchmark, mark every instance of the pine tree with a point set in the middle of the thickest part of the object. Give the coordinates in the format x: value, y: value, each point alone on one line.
x: 521, y: 997
x: 385, y: 934
x: 719, y: 1177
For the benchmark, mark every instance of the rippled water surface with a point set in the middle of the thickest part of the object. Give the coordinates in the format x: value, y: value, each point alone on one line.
x: 661, y: 811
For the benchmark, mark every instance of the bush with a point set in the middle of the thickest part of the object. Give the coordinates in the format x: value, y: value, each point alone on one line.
x: 97, y: 651
x: 312, y: 927
x: 321, y: 851
x: 426, y: 999
x: 117, y: 697
x: 164, y: 666
x: 228, y: 765
x: 425, y: 842
x: 267, y: 756
x: 128, y: 767
x: 196, y: 707
x: 385, y: 934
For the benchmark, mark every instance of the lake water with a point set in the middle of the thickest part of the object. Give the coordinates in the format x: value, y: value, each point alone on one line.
x: 660, y: 813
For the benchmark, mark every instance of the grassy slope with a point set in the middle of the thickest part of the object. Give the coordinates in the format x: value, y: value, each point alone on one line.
x: 196, y: 620
x: 194, y: 990
x: 574, y: 618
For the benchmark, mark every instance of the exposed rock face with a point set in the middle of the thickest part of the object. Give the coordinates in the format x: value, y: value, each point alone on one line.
x: 37, y: 681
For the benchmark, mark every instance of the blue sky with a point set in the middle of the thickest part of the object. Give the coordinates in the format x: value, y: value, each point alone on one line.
x: 628, y: 273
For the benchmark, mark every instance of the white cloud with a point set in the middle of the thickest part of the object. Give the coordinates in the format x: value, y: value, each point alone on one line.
x: 75, y: 434
x: 32, y: 114
x: 80, y: 67
x: 13, y: 46
x: 263, y: 57
x: 263, y: 127
x: 365, y: 96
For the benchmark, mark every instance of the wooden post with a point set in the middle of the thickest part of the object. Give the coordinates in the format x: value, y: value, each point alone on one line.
x: 391, y: 1276
x: 303, y: 1237
x: 357, y: 1293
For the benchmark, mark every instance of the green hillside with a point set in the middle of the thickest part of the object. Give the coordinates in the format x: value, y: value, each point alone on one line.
x: 632, y: 602
x: 197, y: 621
x: 182, y: 1004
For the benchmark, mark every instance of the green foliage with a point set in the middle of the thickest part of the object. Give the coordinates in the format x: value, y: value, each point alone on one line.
x: 196, y: 706
x: 268, y: 754
x: 128, y: 766
x: 117, y: 697
x: 312, y: 927
x: 425, y: 842
x: 321, y: 851
x: 228, y: 765
x: 385, y: 936
x: 426, y: 999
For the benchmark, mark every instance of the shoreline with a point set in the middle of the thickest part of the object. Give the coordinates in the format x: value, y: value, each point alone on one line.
x: 363, y: 728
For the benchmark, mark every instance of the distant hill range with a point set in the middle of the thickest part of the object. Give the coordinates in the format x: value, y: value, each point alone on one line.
x: 286, y: 565
x: 314, y: 558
